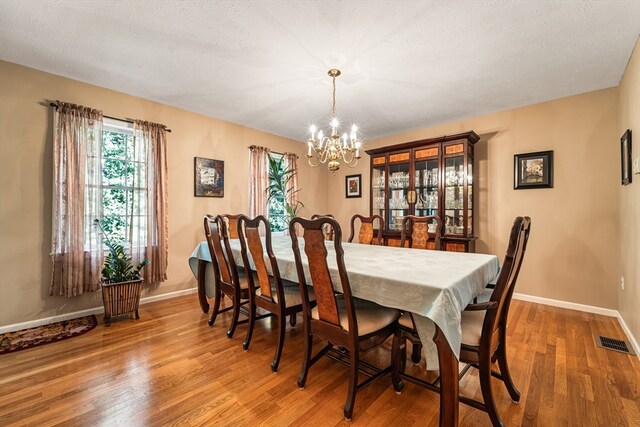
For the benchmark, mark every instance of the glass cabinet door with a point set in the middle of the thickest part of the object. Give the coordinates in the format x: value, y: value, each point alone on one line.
x: 470, y: 197
x: 426, y: 186
x: 454, y: 182
x: 398, y: 191
x: 377, y: 190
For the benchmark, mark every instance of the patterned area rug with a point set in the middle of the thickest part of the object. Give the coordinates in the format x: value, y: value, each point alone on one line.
x: 32, y: 337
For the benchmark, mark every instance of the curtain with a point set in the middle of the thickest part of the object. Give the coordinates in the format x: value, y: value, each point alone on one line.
x: 149, y: 229
x: 76, y: 251
x: 258, y: 181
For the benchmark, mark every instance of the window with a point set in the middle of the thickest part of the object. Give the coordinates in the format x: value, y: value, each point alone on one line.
x: 277, y: 212
x: 124, y: 187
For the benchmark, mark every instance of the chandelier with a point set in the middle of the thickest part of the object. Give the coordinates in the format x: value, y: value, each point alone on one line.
x: 333, y: 148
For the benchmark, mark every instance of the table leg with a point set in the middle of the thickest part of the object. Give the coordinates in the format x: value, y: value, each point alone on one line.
x: 449, y: 382
x: 202, y: 296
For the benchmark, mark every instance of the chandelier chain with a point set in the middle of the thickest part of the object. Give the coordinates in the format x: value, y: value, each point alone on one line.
x: 333, y: 110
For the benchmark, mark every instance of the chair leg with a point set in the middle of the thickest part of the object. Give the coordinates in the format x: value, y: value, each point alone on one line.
x: 292, y: 320
x: 487, y: 392
x: 353, y: 383
x: 234, y: 319
x: 306, y: 361
x: 281, y: 326
x: 252, y: 320
x: 416, y: 353
x: 216, y: 307
x: 398, y: 356
x: 506, y: 374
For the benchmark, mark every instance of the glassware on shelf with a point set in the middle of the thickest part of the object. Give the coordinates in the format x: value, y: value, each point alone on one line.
x: 378, y: 183
x: 399, y: 180
x: 398, y: 203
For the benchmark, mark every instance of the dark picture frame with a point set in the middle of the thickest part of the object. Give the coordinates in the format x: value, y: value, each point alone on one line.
x: 625, y: 158
x: 533, y: 170
x: 208, y: 175
x: 353, y: 186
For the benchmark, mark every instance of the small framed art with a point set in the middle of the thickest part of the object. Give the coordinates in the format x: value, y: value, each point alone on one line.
x: 533, y: 170
x: 208, y: 177
x: 625, y: 157
x: 353, y: 186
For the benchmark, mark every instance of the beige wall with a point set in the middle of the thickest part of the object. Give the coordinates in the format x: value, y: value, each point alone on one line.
x: 26, y: 170
x: 573, y: 250
x: 629, y: 118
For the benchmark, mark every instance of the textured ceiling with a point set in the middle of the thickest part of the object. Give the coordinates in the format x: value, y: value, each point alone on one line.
x: 263, y: 64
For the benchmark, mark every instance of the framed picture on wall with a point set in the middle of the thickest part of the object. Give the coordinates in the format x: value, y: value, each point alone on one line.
x: 208, y: 177
x: 625, y: 157
x: 353, y: 186
x: 533, y: 170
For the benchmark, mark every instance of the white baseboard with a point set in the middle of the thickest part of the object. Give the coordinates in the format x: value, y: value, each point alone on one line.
x: 570, y: 305
x: 586, y: 308
x: 630, y: 336
x: 88, y: 312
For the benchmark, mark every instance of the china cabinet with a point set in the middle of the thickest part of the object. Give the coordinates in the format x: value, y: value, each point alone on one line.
x: 428, y: 177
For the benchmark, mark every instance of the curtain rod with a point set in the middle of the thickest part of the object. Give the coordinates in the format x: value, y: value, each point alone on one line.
x: 54, y: 105
x: 274, y: 152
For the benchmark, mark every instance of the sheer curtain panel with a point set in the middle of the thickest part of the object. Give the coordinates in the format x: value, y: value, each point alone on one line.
x: 258, y: 181
x: 77, y: 250
x: 149, y: 230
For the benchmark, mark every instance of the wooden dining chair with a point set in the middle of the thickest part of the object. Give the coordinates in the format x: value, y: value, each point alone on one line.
x: 231, y: 221
x: 272, y: 293
x: 328, y: 232
x: 366, y: 231
x: 227, y: 281
x: 415, y: 231
x: 484, y: 332
x: 340, y: 319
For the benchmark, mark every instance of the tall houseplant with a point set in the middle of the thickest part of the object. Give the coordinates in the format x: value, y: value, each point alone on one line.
x: 121, y: 282
x: 279, y: 178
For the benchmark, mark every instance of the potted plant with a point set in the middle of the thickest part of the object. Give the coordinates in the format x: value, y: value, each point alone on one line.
x: 278, y: 193
x: 120, y: 282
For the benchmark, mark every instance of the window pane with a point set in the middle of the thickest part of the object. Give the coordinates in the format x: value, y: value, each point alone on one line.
x: 113, y: 172
x: 113, y: 145
x: 114, y: 201
x: 115, y: 228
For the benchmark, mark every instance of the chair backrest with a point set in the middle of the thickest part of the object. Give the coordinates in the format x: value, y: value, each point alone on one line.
x: 251, y: 244
x: 215, y: 231
x: 323, y: 286
x: 415, y: 229
x: 366, y: 232
x: 508, y: 275
x: 231, y: 221
x: 328, y: 231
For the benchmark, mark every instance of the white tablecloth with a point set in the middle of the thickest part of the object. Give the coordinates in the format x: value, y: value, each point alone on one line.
x: 434, y: 285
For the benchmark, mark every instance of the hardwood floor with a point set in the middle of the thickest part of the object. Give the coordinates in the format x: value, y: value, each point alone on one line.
x: 169, y: 367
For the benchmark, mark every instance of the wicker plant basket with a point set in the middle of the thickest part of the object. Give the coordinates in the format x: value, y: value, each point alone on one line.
x: 121, y: 298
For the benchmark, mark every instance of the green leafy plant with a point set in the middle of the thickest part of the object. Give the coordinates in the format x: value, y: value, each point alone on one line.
x: 279, y: 177
x: 118, y: 265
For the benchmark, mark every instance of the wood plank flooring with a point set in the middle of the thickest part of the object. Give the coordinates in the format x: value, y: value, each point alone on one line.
x: 171, y: 368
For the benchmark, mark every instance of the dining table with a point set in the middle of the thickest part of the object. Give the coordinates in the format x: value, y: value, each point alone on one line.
x: 435, y: 286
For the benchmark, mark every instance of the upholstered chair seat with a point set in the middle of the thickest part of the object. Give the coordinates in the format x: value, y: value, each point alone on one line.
x: 405, y: 321
x: 471, y: 323
x: 370, y: 316
x: 292, y: 295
